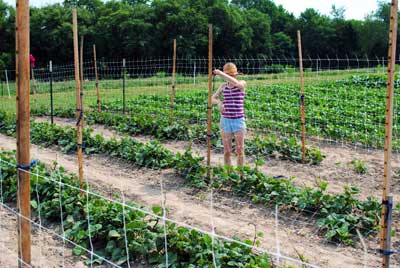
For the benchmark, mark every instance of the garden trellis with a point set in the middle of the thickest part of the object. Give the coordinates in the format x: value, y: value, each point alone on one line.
x: 274, y: 89
x: 139, y: 97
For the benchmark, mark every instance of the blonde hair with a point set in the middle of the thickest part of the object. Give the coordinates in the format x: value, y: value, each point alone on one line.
x: 230, y: 69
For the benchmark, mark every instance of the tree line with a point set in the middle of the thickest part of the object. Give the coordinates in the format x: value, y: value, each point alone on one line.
x: 146, y: 29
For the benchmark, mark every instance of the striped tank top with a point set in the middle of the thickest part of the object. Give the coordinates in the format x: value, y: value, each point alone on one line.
x: 233, y: 102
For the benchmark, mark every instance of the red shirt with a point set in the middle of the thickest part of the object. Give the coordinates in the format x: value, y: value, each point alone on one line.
x: 32, y: 60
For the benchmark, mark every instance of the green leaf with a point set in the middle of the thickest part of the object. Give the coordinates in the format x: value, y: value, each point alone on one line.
x: 157, y: 210
x: 34, y: 204
x: 113, y: 234
x: 78, y: 251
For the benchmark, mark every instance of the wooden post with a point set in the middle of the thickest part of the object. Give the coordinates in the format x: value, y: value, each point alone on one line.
x: 194, y: 72
x: 123, y: 86
x: 23, y: 133
x: 8, y: 84
x: 209, y: 107
x: 51, y: 93
x: 82, y: 78
x: 302, y: 106
x: 33, y: 80
x: 173, y: 81
x: 81, y: 63
x: 78, y: 114
x: 385, y: 245
x: 97, y: 79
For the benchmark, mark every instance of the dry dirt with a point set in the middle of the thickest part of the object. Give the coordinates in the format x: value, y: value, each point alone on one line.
x: 336, y: 168
x: 47, y: 250
x: 231, y: 216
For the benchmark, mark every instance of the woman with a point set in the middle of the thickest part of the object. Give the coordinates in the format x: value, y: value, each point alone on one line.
x: 232, y: 121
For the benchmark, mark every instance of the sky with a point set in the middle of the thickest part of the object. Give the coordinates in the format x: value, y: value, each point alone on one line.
x: 355, y: 9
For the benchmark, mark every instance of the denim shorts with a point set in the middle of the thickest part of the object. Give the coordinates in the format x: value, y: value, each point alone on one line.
x: 229, y: 125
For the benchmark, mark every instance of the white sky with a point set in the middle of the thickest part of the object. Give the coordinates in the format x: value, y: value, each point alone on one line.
x: 355, y: 9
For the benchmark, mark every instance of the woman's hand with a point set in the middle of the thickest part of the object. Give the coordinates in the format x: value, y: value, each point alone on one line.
x: 217, y: 72
x: 221, y: 107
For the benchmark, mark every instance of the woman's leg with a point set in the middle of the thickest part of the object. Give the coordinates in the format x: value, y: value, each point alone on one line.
x: 239, y: 142
x: 227, y: 142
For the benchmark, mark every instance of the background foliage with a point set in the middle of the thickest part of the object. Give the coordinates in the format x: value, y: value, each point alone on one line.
x: 242, y: 28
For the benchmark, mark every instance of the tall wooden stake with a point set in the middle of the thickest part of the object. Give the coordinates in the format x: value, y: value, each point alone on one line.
x: 78, y: 114
x: 33, y: 80
x: 81, y: 64
x: 123, y: 86
x: 385, y: 224
x: 173, y: 81
x: 82, y: 78
x: 51, y: 93
x: 209, y: 108
x: 302, y: 106
x: 7, y: 82
x: 23, y: 133
x: 97, y: 79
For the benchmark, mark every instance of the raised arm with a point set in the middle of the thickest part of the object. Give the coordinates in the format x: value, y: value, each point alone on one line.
x: 238, y: 83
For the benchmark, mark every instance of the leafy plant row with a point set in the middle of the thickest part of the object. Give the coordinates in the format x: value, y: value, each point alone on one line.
x: 260, y: 146
x: 339, y: 216
x: 144, y: 233
x: 370, y: 81
x: 350, y: 110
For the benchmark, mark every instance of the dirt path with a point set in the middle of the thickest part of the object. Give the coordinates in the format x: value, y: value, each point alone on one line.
x: 336, y: 168
x: 231, y: 216
x: 47, y: 251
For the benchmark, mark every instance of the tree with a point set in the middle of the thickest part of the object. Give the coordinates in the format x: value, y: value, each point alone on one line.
x: 317, y: 33
x: 7, y: 37
x: 337, y: 13
x: 283, y: 45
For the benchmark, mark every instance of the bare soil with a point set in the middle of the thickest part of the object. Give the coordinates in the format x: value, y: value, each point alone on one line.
x: 293, y: 235
x: 336, y: 168
x: 47, y: 250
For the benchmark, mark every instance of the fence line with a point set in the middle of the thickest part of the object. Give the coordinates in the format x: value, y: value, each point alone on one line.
x: 340, y: 110
x: 126, y: 206
x: 112, y: 69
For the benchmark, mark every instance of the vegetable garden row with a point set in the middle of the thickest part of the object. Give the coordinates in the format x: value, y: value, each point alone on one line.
x: 339, y: 216
x: 350, y: 110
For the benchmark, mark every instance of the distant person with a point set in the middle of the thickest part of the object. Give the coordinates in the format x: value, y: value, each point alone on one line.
x: 232, y: 121
x: 32, y: 60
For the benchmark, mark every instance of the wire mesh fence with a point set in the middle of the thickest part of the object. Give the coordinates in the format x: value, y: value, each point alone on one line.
x: 119, y: 233
x: 344, y: 97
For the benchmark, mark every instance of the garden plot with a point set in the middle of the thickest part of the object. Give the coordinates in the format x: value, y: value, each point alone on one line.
x: 297, y: 235
x: 338, y: 168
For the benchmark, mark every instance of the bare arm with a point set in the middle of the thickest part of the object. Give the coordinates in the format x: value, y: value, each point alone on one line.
x: 237, y: 83
x: 215, y: 97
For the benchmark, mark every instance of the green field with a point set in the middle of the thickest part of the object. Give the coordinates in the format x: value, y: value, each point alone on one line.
x: 340, y: 106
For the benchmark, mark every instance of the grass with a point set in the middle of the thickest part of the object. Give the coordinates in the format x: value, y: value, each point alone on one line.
x: 64, y: 91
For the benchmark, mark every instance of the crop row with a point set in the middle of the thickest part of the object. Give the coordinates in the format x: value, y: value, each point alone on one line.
x: 258, y: 146
x: 351, y: 110
x: 58, y: 199
x: 338, y: 215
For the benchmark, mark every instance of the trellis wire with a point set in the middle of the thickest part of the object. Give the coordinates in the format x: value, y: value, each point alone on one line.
x: 91, y: 252
x: 151, y: 77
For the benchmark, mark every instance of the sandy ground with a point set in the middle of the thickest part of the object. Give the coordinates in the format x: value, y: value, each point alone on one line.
x: 293, y: 235
x: 336, y: 168
x: 47, y: 250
